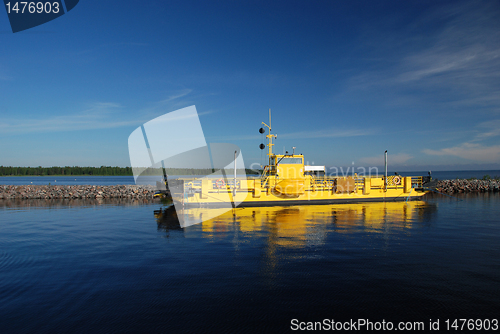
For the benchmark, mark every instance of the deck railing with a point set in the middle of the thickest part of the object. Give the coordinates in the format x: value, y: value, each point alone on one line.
x: 417, y: 181
x: 321, y: 182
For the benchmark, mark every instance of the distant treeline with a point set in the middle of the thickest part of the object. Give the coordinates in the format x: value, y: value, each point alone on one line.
x: 194, y: 171
x: 75, y: 170
x: 102, y: 171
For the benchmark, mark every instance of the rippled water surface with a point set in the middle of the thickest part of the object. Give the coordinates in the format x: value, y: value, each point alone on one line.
x: 90, y: 266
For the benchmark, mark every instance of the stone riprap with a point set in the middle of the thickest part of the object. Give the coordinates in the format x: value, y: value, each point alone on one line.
x: 468, y: 186
x: 76, y: 192
x: 147, y: 191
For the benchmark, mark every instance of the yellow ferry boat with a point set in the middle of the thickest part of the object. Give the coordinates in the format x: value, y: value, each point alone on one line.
x: 286, y: 180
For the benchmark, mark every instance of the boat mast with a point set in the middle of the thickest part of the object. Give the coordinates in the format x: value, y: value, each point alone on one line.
x: 270, y: 138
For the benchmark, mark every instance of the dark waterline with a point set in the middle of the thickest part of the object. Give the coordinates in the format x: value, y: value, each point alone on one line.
x: 113, y: 267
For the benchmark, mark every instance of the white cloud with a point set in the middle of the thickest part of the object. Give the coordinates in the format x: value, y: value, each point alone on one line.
x: 100, y: 115
x: 325, y: 133
x: 176, y: 100
x: 458, y: 64
x: 328, y: 133
x: 488, y: 130
x: 176, y: 95
x: 101, y: 105
x: 470, y: 151
x: 475, y: 150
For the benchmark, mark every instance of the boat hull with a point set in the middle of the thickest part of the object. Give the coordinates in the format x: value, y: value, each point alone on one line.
x: 303, y: 202
x: 252, y: 193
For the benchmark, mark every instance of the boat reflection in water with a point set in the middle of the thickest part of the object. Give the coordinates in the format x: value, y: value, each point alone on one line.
x: 299, y: 226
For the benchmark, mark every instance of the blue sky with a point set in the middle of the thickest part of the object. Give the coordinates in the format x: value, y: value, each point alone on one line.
x: 345, y: 80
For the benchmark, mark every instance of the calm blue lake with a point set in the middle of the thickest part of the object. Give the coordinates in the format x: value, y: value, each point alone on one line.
x: 92, y: 267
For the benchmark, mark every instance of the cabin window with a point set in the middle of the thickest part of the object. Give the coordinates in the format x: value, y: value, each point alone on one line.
x: 290, y: 161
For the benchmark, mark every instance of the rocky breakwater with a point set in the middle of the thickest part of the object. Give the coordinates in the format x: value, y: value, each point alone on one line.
x: 468, y: 186
x: 76, y: 192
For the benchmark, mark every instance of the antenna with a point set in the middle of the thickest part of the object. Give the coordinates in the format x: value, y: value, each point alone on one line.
x: 269, y: 119
x: 270, y: 137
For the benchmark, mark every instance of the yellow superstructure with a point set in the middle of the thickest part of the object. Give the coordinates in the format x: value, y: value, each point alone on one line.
x: 286, y: 180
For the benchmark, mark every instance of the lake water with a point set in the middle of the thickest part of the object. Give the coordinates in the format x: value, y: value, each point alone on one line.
x: 93, y: 266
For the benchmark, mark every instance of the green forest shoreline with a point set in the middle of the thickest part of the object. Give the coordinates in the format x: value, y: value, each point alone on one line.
x: 65, y: 171
x: 100, y: 171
